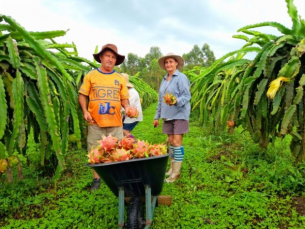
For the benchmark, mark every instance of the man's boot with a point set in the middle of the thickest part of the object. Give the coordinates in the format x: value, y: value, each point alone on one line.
x: 176, y: 172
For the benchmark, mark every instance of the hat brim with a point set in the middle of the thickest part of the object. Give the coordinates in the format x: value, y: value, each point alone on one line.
x: 129, y: 84
x: 179, y: 59
x: 119, y: 58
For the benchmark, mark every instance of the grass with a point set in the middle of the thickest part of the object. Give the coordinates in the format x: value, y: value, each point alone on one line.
x: 227, y: 182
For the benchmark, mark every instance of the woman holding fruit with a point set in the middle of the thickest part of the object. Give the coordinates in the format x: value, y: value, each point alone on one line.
x: 174, y: 109
x: 135, y: 116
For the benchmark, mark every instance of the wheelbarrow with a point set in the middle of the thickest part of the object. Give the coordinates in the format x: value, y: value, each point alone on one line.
x: 135, y: 181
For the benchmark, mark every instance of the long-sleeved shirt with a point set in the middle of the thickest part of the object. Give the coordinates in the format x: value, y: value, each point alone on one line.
x: 179, y: 86
x: 134, y: 101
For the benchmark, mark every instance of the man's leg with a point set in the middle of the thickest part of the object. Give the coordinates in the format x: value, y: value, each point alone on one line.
x: 94, y: 135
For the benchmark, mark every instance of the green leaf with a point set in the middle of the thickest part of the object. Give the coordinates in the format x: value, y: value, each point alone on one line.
x: 13, y: 52
x: 302, y: 80
x: 36, y: 46
x: 28, y: 71
x: 299, y: 95
x: 291, y: 68
x: 3, y: 108
x: 277, y: 101
x: 44, y: 91
x: 18, y: 35
x: 293, y: 13
x: 276, y: 25
x: 18, y: 90
x: 261, y: 90
x: 287, y: 118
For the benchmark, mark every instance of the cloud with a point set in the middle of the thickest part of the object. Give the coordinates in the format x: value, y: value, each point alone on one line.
x: 136, y: 25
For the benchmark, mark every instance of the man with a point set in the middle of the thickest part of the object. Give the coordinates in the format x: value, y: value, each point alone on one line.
x: 107, y: 92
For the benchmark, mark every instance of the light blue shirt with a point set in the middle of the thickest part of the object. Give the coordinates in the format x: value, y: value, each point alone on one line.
x: 179, y: 86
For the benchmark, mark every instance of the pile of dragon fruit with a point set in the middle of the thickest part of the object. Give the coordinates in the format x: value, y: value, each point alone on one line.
x: 111, y: 149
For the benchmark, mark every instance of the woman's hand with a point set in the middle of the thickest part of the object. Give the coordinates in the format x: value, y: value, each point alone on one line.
x: 156, y: 122
x: 132, y: 112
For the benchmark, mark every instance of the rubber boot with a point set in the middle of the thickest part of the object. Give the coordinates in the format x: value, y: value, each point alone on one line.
x: 169, y: 172
x: 176, y: 172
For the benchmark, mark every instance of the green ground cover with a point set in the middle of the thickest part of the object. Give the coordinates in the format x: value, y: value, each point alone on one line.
x: 227, y: 182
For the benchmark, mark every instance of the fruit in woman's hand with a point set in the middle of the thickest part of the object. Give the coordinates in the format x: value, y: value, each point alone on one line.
x: 169, y: 99
x: 132, y: 112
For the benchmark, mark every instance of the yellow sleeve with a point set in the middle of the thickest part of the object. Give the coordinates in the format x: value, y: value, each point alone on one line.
x: 86, y: 85
x: 124, y: 94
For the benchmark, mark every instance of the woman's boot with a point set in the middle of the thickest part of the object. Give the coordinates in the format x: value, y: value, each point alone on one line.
x: 176, y: 172
x: 169, y: 172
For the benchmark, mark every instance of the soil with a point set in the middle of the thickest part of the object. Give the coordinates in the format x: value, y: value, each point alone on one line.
x: 299, y: 204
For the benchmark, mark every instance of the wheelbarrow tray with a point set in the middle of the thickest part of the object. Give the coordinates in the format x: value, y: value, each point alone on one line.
x: 133, y: 175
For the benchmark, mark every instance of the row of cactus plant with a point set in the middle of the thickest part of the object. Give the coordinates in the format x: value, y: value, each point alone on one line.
x: 38, y: 90
x: 39, y: 81
x: 236, y: 90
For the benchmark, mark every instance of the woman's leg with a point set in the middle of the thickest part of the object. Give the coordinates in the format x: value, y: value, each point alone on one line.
x: 176, y: 143
x: 171, y: 152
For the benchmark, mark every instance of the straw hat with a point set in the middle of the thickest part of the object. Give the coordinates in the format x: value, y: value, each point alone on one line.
x: 178, y: 58
x: 113, y: 48
x: 126, y: 77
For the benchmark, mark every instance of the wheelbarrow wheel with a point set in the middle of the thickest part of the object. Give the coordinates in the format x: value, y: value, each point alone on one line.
x: 134, y: 214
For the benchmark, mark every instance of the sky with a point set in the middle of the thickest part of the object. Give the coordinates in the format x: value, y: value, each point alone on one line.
x: 137, y: 25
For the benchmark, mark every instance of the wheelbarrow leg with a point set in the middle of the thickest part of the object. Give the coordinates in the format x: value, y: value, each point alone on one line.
x: 121, y: 207
x: 150, y: 206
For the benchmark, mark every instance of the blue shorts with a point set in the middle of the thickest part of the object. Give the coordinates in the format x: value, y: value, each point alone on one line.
x: 129, y: 126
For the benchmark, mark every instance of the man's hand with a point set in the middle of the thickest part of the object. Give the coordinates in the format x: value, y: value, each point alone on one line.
x: 88, y: 117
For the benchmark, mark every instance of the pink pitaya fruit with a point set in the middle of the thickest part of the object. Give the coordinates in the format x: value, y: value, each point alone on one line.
x: 127, y: 143
x: 121, y: 155
x: 108, y: 143
x: 94, y: 156
x: 157, y: 150
x: 140, y: 149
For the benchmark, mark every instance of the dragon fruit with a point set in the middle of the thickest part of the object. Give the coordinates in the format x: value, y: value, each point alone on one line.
x: 157, y: 150
x: 132, y: 112
x: 108, y: 143
x: 140, y: 149
x: 94, y: 156
x: 121, y: 155
x: 127, y: 143
x: 3, y: 165
x: 169, y: 98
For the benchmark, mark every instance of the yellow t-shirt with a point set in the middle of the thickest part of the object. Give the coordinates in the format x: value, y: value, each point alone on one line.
x: 105, y: 91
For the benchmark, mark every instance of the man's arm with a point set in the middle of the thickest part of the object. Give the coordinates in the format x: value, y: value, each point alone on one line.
x: 82, y: 100
x: 125, y: 103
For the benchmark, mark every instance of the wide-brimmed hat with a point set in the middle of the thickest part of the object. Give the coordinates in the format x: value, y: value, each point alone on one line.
x: 178, y: 58
x: 113, y: 48
x: 126, y: 77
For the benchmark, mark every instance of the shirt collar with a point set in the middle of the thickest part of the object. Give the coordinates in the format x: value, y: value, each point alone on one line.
x: 175, y: 74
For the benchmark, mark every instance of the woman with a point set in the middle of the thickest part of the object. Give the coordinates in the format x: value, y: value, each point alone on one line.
x: 134, y: 101
x: 174, y: 109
